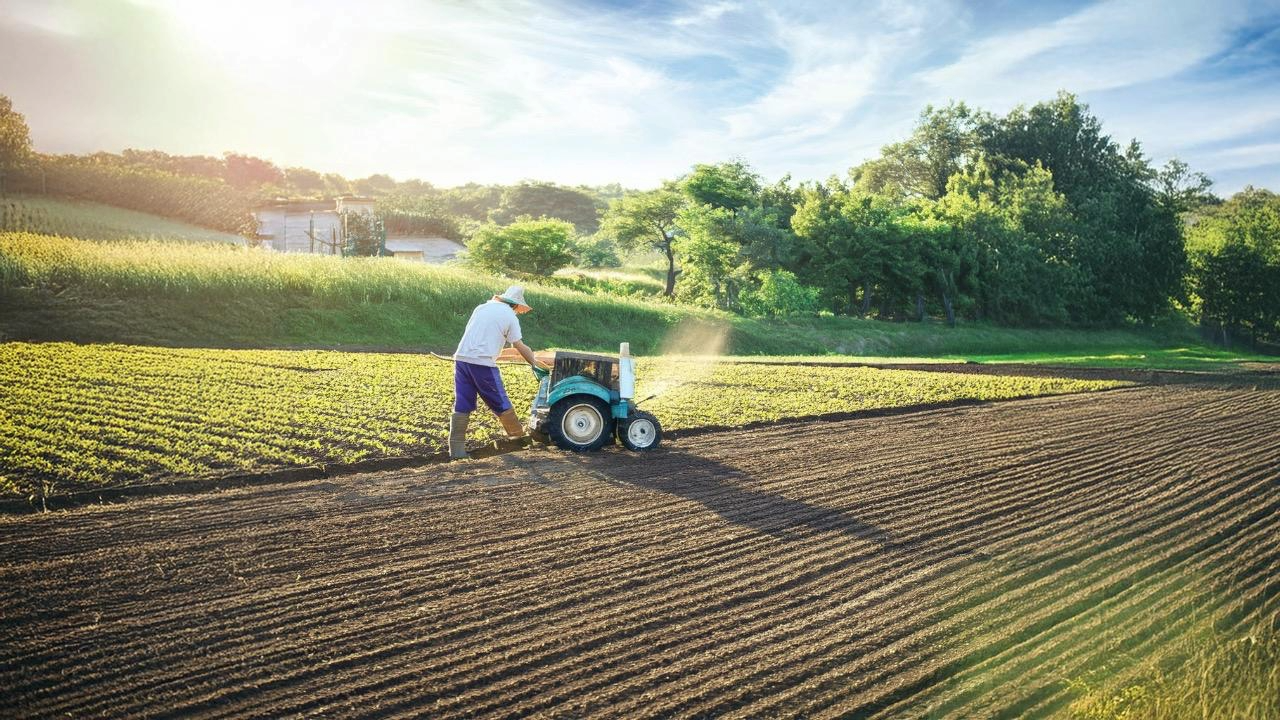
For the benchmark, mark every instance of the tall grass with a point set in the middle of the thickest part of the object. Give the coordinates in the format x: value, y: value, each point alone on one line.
x: 167, y: 293
x: 1214, y: 675
x: 90, y: 220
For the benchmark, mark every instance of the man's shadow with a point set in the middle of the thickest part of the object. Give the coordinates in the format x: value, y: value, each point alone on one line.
x: 727, y: 492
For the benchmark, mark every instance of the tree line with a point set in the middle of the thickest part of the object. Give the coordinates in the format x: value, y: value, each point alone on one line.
x: 1036, y: 217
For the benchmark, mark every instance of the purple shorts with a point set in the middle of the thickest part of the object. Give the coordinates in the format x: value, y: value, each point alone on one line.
x: 469, y: 379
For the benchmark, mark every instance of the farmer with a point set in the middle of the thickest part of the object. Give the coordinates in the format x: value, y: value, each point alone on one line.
x: 492, y: 325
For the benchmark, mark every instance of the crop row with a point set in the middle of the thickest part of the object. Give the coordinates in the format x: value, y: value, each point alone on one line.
x: 78, y: 416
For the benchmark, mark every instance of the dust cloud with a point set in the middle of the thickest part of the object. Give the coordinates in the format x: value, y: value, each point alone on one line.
x: 688, y: 354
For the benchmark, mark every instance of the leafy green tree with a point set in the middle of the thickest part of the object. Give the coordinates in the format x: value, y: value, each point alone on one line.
x: 525, y: 247
x: 730, y: 185
x: 363, y: 233
x: 596, y: 251
x: 1128, y: 249
x: 1181, y: 190
x: 1235, y: 266
x: 842, y: 236
x: 714, y: 269
x: 1013, y: 229
x: 15, y: 139
x: 780, y: 200
x: 541, y: 199
x: 649, y: 220
x: 944, y: 140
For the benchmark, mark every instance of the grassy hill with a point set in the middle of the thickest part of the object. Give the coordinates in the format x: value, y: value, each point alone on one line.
x: 89, y: 220
x: 220, y: 295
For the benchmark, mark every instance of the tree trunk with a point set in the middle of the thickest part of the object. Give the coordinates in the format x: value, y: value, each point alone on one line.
x: 951, y: 312
x: 919, y: 307
x: 866, y: 298
x: 670, y: 291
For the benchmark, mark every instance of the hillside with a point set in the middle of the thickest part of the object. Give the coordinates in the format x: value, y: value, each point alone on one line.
x: 83, y: 219
x: 182, y: 294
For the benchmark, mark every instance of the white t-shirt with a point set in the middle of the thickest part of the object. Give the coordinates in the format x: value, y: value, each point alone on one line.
x: 491, y: 326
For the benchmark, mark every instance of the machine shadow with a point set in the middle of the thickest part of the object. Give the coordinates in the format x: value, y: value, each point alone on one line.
x: 727, y: 491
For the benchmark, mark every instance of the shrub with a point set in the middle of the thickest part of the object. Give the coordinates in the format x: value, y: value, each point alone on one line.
x: 534, y: 247
x: 779, y: 293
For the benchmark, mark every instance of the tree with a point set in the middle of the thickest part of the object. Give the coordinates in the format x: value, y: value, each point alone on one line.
x: 246, y: 171
x: 336, y: 185
x: 713, y: 265
x: 944, y: 140
x: 730, y: 185
x: 1128, y: 249
x: 304, y: 182
x: 540, y: 199
x: 375, y: 185
x: 649, y: 220
x: 1234, y: 274
x: 1179, y: 189
x: 1012, y: 232
x: 472, y: 200
x: 525, y: 247
x: 846, y: 238
x: 362, y: 233
x: 15, y: 139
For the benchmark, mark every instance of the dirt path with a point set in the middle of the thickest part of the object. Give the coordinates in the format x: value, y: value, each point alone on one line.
x: 964, y: 561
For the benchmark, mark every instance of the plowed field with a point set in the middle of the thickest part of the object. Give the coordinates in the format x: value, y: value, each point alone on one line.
x: 968, y: 561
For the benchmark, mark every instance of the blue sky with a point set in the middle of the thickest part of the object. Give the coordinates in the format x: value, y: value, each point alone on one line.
x: 595, y: 92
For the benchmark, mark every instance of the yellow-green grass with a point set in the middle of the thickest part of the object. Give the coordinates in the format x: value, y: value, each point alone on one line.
x: 219, y: 295
x: 1187, y: 357
x: 85, y: 416
x: 1209, y: 672
x: 609, y: 281
x: 95, y: 221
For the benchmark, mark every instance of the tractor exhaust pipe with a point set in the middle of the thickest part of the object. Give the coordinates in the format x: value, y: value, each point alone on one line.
x: 626, y: 372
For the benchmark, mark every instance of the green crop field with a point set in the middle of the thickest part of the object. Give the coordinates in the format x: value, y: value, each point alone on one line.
x: 95, y: 221
x: 83, y: 416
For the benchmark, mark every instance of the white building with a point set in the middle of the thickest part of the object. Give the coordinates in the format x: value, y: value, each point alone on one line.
x: 307, y: 226
x: 310, y: 226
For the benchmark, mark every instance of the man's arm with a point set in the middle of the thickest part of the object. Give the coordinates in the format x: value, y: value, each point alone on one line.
x: 527, y: 353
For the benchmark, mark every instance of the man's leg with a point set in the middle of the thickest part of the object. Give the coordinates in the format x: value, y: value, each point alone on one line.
x: 489, y: 385
x: 464, y: 402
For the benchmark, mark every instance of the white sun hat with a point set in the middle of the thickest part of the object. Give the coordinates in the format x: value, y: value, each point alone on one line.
x: 515, y: 296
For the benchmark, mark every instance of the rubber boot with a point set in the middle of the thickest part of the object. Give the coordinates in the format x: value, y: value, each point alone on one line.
x: 458, y: 436
x: 511, y: 424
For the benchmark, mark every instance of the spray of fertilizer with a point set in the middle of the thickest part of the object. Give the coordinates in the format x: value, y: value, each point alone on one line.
x: 688, y: 354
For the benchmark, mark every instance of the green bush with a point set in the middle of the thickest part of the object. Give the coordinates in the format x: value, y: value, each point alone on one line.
x: 779, y: 293
x: 597, y: 251
x: 525, y: 247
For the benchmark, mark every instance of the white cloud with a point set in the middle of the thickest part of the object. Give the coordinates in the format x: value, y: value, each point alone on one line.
x: 1115, y: 43
x: 504, y: 89
x: 706, y: 14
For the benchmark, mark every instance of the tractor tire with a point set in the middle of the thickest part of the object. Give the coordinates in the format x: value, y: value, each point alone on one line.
x: 580, y: 423
x: 640, y: 432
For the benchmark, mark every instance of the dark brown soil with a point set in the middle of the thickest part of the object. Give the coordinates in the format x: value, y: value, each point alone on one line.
x: 954, y: 562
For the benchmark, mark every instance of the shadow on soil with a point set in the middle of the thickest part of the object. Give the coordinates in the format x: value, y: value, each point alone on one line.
x: 731, y: 493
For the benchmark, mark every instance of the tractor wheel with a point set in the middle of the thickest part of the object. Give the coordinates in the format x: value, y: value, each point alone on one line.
x: 580, y: 423
x: 640, y: 432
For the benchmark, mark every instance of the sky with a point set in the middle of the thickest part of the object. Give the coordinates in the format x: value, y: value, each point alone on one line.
x: 594, y: 92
